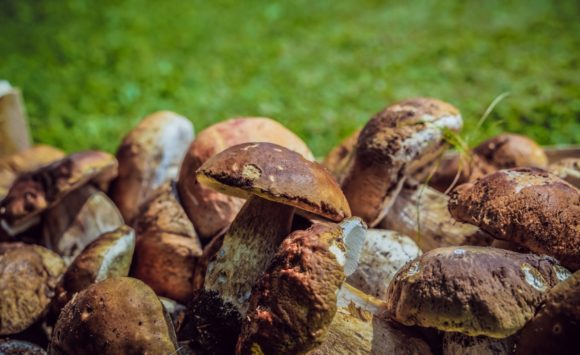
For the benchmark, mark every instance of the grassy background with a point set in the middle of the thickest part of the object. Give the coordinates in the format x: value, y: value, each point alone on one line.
x: 90, y: 69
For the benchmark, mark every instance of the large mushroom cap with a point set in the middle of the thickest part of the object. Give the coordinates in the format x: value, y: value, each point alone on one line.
x: 527, y: 206
x: 472, y: 290
x: 510, y: 150
x: 277, y: 174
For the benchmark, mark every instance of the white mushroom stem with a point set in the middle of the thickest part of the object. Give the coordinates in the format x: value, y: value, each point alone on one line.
x: 248, y: 249
x: 421, y: 213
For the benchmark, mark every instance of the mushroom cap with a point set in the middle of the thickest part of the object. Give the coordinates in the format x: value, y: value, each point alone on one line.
x: 555, y: 328
x: 510, y: 150
x: 275, y: 173
x: 339, y: 160
x: 472, y: 290
x: 567, y: 169
x: 527, y: 206
x: 209, y: 210
x: 120, y: 315
x: 149, y: 155
x: 35, y: 191
x: 28, y: 277
x: 460, y: 344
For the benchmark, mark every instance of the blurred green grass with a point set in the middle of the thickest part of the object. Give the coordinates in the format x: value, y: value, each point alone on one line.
x: 91, y: 69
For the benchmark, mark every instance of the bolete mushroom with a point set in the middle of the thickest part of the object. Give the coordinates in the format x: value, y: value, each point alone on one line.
x: 149, y: 156
x: 276, y: 181
x: 527, y: 206
x: 472, y: 290
x: 339, y: 160
x: 210, y: 211
x: 567, y: 169
x: 397, y: 142
x: 461, y: 344
x: 119, y: 315
x: 28, y: 278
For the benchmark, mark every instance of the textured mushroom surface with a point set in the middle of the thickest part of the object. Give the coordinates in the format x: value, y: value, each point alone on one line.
x: 19, y: 347
x: 400, y: 140
x: 460, y: 344
x: 149, y: 156
x: 567, y: 169
x: 472, y: 290
x: 556, y: 326
x: 28, y: 277
x: 120, y: 315
x: 210, y: 211
x: 527, y: 206
x: 340, y: 159
x: 510, y: 150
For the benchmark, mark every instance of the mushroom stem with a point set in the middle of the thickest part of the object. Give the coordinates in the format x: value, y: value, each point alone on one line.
x: 248, y: 249
x: 14, y: 135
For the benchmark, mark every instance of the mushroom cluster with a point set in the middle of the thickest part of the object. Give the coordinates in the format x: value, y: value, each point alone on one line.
x: 237, y: 241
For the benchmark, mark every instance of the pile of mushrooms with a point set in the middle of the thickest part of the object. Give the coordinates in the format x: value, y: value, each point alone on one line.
x: 237, y: 241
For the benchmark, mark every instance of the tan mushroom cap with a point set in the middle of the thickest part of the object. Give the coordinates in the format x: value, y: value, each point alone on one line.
x: 28, y: 277
x: 277, y: 174
x: 527, y: 206
x: 472, y: 290
x: 209, y: 210
x: 510, y: 150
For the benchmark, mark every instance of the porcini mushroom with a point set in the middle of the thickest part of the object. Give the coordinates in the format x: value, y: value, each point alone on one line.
x: 339, y: 160
x: 567, y: 169
x: 397, y: 142
x: 276, y: 181
x: 527, y: 206
x: 120, y: 315
x: 149, y: 155
x: 28, y: 277
x: 210, y: 211
x: 472, y: 290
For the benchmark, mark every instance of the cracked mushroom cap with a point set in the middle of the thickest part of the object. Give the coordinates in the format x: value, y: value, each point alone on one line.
x: 398, y: 141
x: 209, y: 210
x: 472, y: 290
x: 527, y: 206
x: 555, y: 328
x: 510, y: 150
x: 28, y: 278
x: 120, y: 315
x: 34, y: 192
x: 277, y: 174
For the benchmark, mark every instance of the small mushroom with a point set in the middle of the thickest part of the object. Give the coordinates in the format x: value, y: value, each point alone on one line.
x: 527, y: 206
x: 339, y: 160
x: 167, y: 248
x: 28, y: 277
x: 119, y: 315
x: 149, y: 156
x: 555, y: 328
x: 472, y: 290
x: 421, y: 213
x: 19, y: 347
x: 567, y: 169
x: 276, y: 181
x: 399, y: 141
x: 210, y: 211
x: 36, y: 191
x: 461, y: 344
x: 383, y: 254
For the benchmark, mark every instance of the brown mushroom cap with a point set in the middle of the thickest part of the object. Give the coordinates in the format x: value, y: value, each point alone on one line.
x: 209, y: 210
x: 275, y: 173
x: 38, y: 190
x: 120, y: 315
x: 555, y: 328
x: 567, y: 169
x: 472, y: 290
x: 28, y: 277
x: 510, y: 150
x: 527, y: 206
x: 398, y: 141
x: 339, y: 160
x: 149, y: 156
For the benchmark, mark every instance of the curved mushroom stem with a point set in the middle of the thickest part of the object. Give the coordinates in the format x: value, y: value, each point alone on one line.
x: 247, y: 249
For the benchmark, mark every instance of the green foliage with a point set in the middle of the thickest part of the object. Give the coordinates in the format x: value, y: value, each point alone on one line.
x: 90, y: 69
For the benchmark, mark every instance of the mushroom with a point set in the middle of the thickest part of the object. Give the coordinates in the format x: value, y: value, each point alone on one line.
x: 14, y: 135
x: 28, y: 277
x: 19, y: 347
x: 167, y: 247
x: 36, y: 191
x: 108, y: 256
x: 383, y: 254
x: 210, y: 211
x: 397, y: 142
x: 567, y: 169
x: 460, y: 344
x: 120, y: 315
x: 78, y: 219
x: 149, y: 155
x: 276, y: 181
x: 293, y: 304
x: 339, y: 160
x: 421, y: 213
x: 555, y: 328
x: 527, y: 206
x: 472, y: 290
